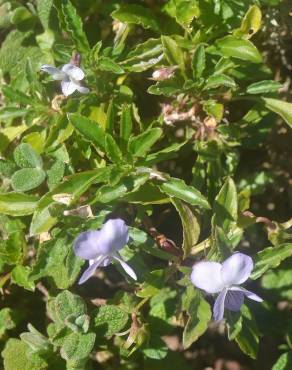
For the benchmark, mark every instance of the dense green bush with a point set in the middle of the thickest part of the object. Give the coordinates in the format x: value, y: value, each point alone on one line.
x: 174, y: 117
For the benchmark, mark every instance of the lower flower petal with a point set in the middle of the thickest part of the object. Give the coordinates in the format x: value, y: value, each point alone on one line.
x: 68, y: 87
x: 125, y: 266
x: 83, y: 89
x: 218, y: 309
x: 234, y: 300
x: 247, y: 293
x: 90, y: 270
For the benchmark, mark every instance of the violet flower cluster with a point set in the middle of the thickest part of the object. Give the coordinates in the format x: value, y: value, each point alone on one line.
x: 225, y: 279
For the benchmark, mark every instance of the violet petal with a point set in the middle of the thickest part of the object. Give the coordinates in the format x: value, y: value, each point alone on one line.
x: 72, y: 71
x: 68, y: 87
x: 234, y: 300
x: 113, y: 236
x: 218, y: 309
x: 86, y: 245
x: 128, y: 269
x: 207, y: 276
x: 90, y: 271
x: 247, y: 293
x: 236, y: 269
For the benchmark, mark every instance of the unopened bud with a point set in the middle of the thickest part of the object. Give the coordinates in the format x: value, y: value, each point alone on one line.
x: 163, y: 73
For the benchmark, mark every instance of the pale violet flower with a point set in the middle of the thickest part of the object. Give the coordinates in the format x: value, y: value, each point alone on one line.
x: 225, y: 278
x: 70, y: 77
x: 101, y: 247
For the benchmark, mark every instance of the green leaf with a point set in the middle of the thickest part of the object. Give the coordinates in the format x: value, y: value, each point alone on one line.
x: 75, y: 186
x: 156, y: 349
x: 283, y: 108
x: 169, y: 87
x: 173, y: 52
x: 44, y: 9
x: 177, y: 188
x: 27, y: 179
x: 66, y: 305
x: 139, y: 237
x: 20, y: 276
x: 7, y: 168
x: 22, y: 18
x: 199, y: 313
x: 56, y: 259
x: 136, y: 14
x: 126, y: 124
x: 77, y: 346
x: 17, y: 356
x: 278, y: 282
x: 262, y: 87
x: 13, y: 248
x: 248, y: 337
x: 199, y: 62
x: 17, y: 204
x: 153, y: 283
x: 110, y: 117
x: 269, y: 258
x: 36, y: 341
x: 219, y: 80
x: 226, y: 206
x: 55, y: 174
x: 8, y: 134
x: 234, y: 323
x: 284, y: 362
x: 186, y: 11
x: 231, y: 46
x: 12, y: 112
x: 7, y: 321
x: 141, y: 144
x: 26, y: 157
x: 191, y: 226
x: 144, y: 56
x: 91, y: 130
x: 112, y: 150
x: 74, y: 26
x: 164, y: 154
x: 107, y: 64
x: 109, y: 320
x: 251, y: 23
x: 16, y: 95
x: 129, y: 184
x: 214, y: 109
x: 147, y: 194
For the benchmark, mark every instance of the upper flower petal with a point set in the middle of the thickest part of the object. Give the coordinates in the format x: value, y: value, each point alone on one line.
x: 234, y: 300
x: 218, y: 309
x: 207, y: 276
x: 55, y: 72
x: 86, y: 245
x: 236, y: 269
x: 247, y: 293
x: 113, y: 236
x: 72, y: 71
x: 90, y: 270
x: 68, y: 87
x: 128, y: 269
